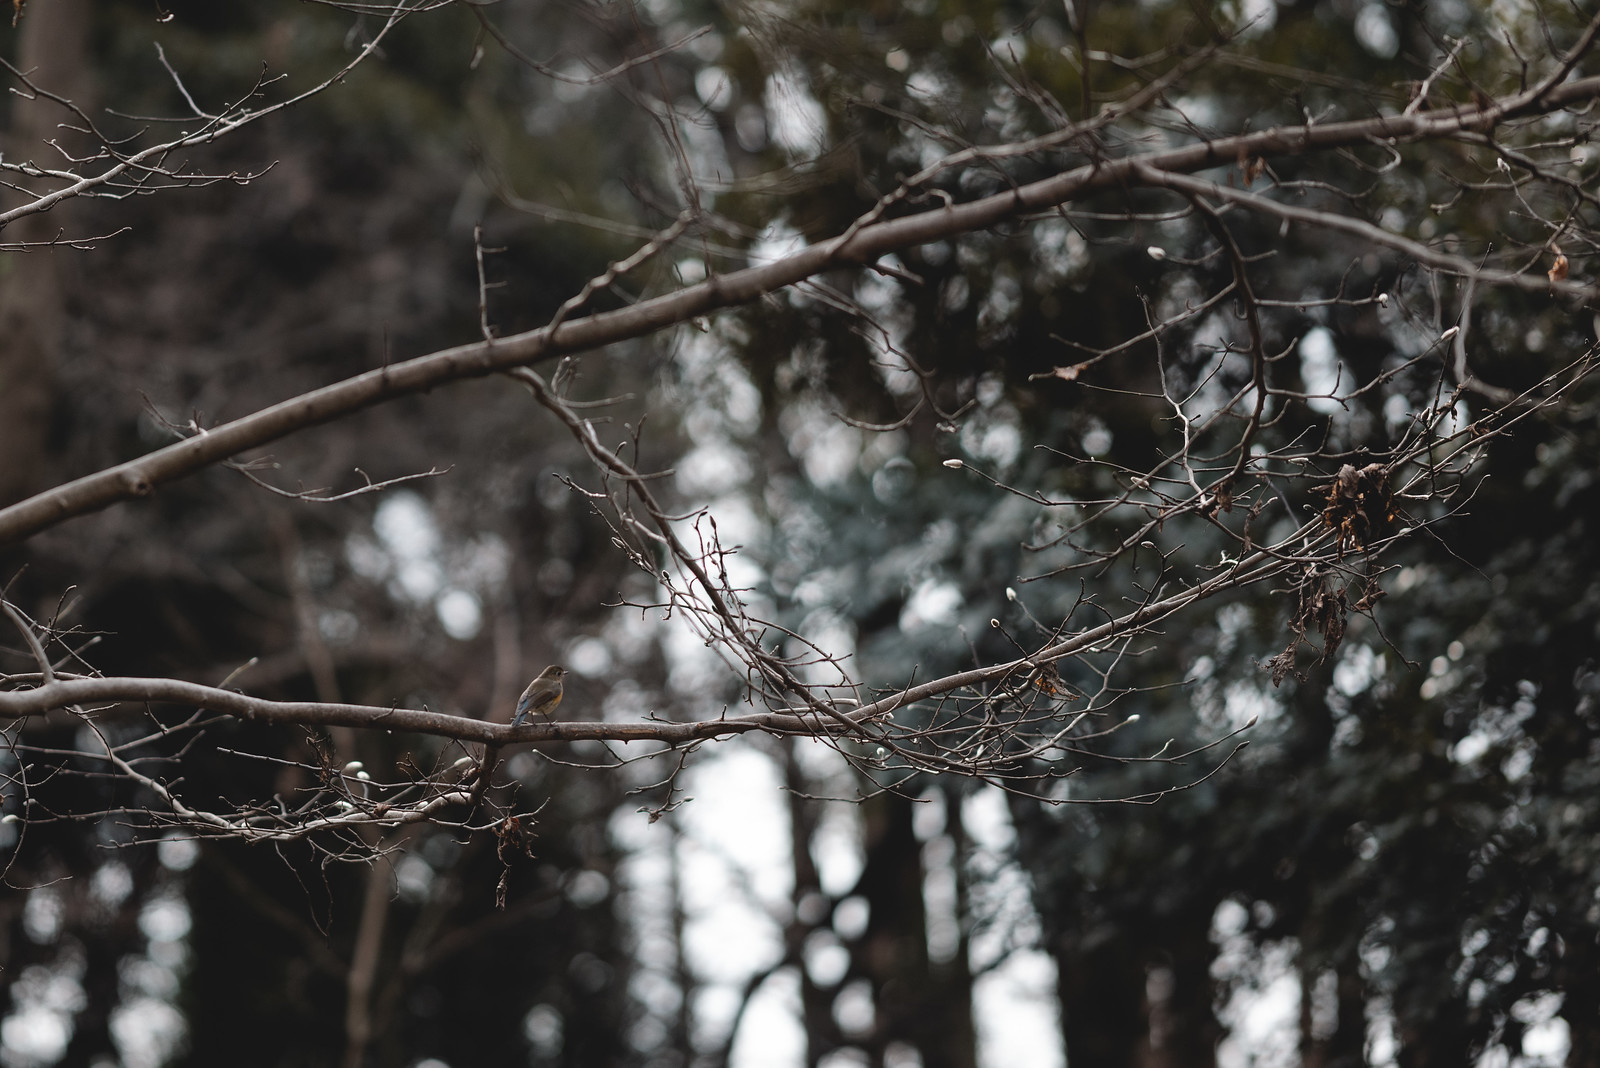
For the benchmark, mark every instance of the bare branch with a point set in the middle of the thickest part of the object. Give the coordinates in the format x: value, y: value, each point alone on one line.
x: 858, y: 245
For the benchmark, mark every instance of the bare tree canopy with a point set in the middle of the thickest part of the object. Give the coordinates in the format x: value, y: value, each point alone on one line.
x: 910, y: 381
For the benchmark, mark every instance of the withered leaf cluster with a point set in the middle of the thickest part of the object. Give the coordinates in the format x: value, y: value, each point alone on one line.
x: 1321, y: 607
x: 1325, y: 608
x: 1360, y: 505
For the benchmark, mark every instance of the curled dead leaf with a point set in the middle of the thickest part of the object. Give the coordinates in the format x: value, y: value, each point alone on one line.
x: 1360, y: 505
x: 1250, y: 167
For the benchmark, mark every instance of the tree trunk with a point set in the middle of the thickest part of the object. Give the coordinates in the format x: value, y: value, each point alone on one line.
x: 53, y: 49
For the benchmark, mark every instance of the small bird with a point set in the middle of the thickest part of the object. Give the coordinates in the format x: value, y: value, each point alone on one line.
x: 542, y: 694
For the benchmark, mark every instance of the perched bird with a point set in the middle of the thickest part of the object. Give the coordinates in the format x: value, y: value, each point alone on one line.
x: 542, y: 694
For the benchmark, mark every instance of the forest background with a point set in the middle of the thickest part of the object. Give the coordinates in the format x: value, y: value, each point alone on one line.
x: 1291, y: 441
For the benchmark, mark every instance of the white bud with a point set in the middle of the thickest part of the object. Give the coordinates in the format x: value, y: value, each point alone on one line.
x: 954, y: 465
x: 9, y: 817
x: 1132, y: 719
x: 1383, y: 300
x: 463, y: 762
x: 363, y: 776
x: 1450, y: 333
x: 1156, y: 252
x: 994, y: 623
x: 1011, y: 594
x: 353, y: 767
x: 882, y: 752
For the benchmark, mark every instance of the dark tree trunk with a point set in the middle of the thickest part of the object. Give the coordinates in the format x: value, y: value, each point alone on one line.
x: 53, y: 48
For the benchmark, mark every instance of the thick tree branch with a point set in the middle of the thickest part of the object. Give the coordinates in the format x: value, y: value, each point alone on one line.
x: 138, y: 478
x: 72, y: 692
x: 66, y: 693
